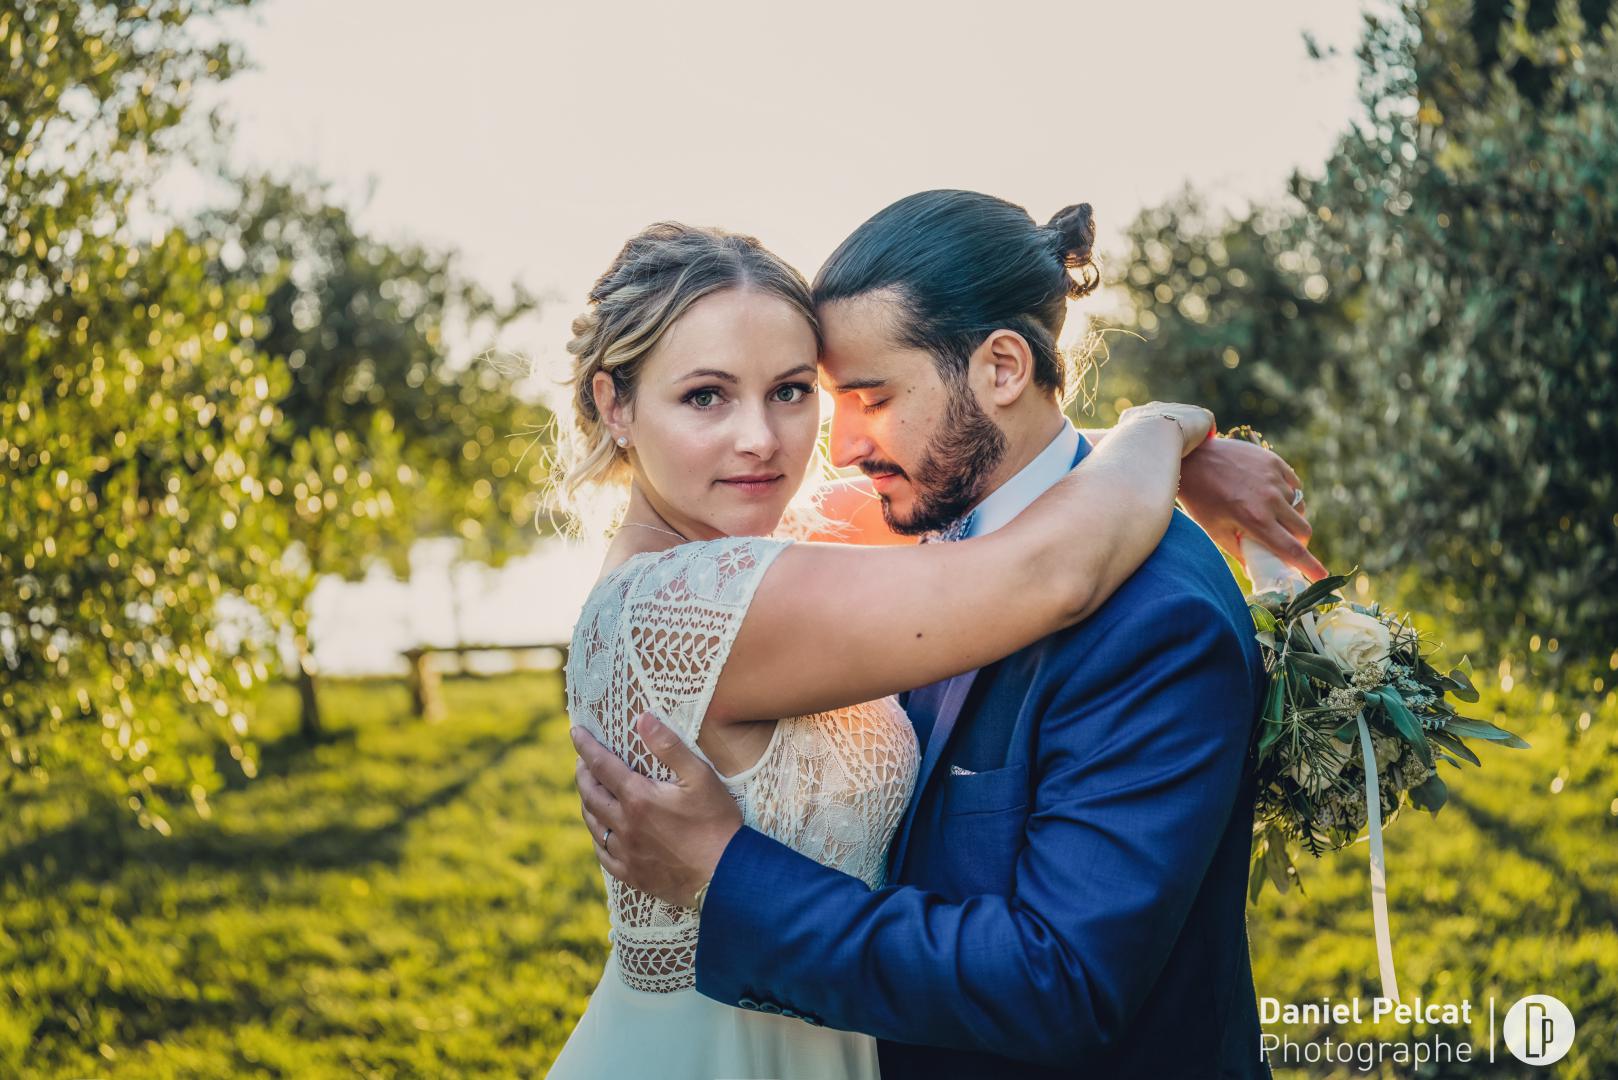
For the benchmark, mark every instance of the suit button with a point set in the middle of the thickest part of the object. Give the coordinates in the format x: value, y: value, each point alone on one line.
x: 746, y: 1003
x: 769, y: 1007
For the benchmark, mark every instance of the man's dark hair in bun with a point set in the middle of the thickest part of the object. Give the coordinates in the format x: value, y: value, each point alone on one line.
x: 963, y: 265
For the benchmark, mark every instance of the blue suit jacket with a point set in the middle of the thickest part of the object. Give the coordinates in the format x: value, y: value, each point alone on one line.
x: 1067, y: 894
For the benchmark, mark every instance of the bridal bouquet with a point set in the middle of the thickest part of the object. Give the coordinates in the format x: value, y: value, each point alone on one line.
x: 1355, y: 726
x: 1357, y: 720
x: 1353, y: 696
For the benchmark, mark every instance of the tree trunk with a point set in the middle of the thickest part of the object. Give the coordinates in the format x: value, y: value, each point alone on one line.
x: 309, y: 724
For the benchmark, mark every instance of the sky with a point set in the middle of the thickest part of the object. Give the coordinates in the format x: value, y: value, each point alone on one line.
x: 535, y: 137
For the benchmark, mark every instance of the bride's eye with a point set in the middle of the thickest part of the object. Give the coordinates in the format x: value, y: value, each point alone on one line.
x: 705, y: 398
x: 790, y: 393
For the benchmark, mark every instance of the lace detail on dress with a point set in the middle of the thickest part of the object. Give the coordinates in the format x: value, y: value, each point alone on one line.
x: 654, y: 634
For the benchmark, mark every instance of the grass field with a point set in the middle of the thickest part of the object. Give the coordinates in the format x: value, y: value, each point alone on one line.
x: 420, y: 900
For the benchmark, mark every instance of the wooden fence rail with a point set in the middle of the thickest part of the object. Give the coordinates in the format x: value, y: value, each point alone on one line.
x: 426, y: 695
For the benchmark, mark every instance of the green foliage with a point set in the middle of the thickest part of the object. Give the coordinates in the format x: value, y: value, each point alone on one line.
x: 132, y: 420
x: 89, y: 94
x: 360, y: 325
x: 1428, y: 326
x: 1238, y: 315
x: 388, y: 438
x: 1477, y: 437
x: 217, y: 412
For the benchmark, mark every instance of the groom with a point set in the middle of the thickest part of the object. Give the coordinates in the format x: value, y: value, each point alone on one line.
x: 1067, y: 892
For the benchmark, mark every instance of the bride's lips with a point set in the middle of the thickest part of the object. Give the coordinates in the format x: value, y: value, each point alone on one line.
x: 755, y: 484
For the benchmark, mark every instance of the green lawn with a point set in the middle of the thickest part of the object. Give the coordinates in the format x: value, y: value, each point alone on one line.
x: 405, y: 900
x: 420, y: 900
x: 1511, y: 890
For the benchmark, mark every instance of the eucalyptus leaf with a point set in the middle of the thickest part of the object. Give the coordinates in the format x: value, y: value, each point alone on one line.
x: 1430, y: 794
x: 1459, y: 685
x: 1256, y: 878
x: 1314, y: 595
x: 1454, y: 745
x: 1274, y: 701
x: 1318, y: 667
x: 1262, y: 618
x: 1404, y: 721
x: 1481, y: 729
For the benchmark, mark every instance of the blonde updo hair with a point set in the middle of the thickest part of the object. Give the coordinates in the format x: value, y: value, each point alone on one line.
x: 655, y: 278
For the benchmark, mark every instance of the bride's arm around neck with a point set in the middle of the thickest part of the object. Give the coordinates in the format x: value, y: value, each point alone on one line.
x: 832, y: 625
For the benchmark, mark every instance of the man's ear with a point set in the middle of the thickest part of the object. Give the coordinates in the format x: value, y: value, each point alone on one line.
x: 1002, y: 368
x: 614, y: 413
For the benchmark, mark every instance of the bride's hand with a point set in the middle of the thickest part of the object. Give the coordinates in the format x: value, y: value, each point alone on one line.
x: 1234, y: 488
x: 1196, y: 423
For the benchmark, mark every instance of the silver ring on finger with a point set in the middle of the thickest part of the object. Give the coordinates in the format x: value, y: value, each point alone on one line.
x: 1297, y: 497
x: 604, y: 838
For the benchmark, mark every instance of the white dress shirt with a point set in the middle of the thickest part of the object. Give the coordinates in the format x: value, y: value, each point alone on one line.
x: 1014, y: 496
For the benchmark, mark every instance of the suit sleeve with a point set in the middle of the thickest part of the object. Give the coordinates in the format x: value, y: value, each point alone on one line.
x: 1141, y: 755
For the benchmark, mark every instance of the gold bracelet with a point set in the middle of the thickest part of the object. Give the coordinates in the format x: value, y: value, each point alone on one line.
x: 702, y: 894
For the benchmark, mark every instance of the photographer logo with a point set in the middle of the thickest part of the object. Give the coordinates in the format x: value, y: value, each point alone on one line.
x: 1539, y: 1030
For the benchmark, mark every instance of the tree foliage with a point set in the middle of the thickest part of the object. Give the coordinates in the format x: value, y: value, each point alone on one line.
x: 1241, y: 315
x: 388, y: 436
x: 1453, y: 398
x: 132, y: 419
x: 191, y: 415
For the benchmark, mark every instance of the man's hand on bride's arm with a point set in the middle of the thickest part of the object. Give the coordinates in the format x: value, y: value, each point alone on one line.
x: 666, y: 837
x: 1235, y: 489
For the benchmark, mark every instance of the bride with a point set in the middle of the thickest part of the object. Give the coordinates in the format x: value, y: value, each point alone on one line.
x: 775, y: 660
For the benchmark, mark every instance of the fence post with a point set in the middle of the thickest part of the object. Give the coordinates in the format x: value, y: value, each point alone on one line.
x: 426, y: 696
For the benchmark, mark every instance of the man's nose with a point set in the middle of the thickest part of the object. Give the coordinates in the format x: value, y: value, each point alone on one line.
x: 848, y: 441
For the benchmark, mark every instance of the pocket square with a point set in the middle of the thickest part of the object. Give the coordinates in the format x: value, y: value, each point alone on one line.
x: 956, y: 770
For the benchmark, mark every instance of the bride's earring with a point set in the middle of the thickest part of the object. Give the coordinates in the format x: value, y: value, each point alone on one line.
x: 623, y: 440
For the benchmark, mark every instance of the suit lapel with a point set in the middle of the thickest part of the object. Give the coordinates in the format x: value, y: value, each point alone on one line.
x: 949, y: 711
x: 953, y: 699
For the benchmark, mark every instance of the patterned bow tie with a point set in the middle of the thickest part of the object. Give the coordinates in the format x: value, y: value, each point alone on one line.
x: 955, y: 530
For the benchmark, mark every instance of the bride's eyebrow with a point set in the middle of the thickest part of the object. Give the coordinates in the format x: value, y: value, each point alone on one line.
x: 715, y: 373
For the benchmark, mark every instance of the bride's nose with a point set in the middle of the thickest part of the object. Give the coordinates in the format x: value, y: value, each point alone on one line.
x: 755, y: 434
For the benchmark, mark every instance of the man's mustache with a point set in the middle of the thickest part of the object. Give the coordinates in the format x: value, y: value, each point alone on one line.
x: 871, y: 467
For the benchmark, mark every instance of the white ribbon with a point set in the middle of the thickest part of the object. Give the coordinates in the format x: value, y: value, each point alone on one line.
x: 1269, y: 574
x: 1379, y: 868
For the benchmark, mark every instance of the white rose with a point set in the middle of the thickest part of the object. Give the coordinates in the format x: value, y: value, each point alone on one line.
x: 1352, y: 640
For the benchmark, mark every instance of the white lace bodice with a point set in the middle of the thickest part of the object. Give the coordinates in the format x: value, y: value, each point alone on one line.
x: 654, y: 635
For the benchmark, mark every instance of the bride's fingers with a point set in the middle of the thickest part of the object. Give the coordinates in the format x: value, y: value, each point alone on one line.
x: 1291, y: 478
x: 1288, y: 549
x: 1293, y: 521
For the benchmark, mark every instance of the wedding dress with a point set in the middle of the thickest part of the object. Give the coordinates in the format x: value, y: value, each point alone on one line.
x: 654, y: 635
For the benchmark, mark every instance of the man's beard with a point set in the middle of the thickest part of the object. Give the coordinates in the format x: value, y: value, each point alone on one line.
x: 954, y: 468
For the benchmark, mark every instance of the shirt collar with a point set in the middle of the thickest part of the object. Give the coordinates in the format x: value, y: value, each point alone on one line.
x: 1014, y: 496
